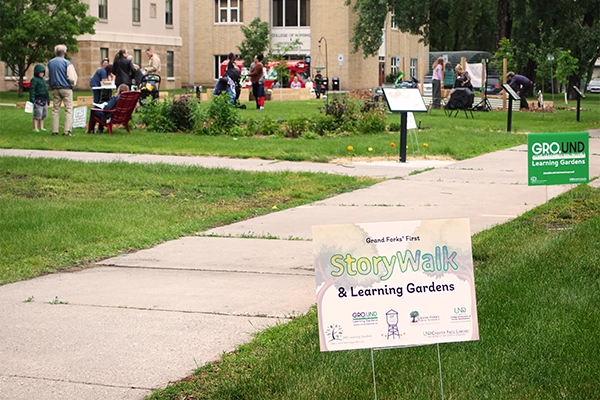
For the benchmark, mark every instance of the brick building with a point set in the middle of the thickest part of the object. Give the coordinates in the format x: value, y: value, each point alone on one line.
x: 192, y: 37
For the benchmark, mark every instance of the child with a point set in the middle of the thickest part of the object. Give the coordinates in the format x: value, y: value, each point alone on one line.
x: 38, y: 95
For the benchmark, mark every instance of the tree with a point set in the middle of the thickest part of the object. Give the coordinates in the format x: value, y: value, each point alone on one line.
x: 281, y: 50
x: 29, y: 30
x: 256, y: 40
x: 445, y: 25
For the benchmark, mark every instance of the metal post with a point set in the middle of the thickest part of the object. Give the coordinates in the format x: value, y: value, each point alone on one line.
x: 509, y: 123
x: 403, y: 136
x: 578, y: 107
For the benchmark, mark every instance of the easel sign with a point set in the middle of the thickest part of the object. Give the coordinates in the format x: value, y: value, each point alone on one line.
x: 394, y: 284
x: 403, y: 101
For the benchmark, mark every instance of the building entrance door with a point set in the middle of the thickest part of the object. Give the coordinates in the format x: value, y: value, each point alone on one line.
x: 381, y: 72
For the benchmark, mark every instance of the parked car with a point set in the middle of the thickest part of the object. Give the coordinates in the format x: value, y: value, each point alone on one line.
x: 593, y: 86
x: 493, y: 85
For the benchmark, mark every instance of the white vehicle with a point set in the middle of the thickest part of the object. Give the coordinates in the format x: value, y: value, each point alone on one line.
x: 593, y: 86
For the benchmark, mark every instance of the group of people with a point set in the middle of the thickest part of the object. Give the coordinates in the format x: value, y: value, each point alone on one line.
x: 62, y: 78
x: 230, y: 83
x: 519, y: 83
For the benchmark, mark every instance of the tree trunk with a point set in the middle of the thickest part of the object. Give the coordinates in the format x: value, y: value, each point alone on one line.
x: 503, y: 22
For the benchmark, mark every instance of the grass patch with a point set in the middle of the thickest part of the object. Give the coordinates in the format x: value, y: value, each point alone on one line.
x: 538, y: 294
x: 57, y: 214
x: 457, y: 138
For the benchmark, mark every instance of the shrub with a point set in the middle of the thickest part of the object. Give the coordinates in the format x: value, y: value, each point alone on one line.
x: 324, y: 124
x: 269, y: 127
x: 182, y: 113
x: 295, y: 126
x: 155, y: 114
x: 169, y: 115
x: 344, y: 111
x: 219, y: 117
x: 373, y: 119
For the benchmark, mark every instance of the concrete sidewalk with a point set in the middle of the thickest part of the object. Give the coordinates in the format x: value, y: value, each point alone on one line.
x: 137, y: 321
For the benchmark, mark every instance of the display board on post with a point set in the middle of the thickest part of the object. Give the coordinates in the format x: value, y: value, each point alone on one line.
x: 512, y: 95
x: 403, y: 101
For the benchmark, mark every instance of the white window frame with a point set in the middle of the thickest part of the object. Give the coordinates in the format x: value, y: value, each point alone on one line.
x: 414, y: 67
x: 300, y: 6
x: 393, y: 66
x: 394, y: 25
x: 227, y: 11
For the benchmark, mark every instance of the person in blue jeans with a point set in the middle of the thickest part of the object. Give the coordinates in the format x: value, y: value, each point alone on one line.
x: 109, y: 106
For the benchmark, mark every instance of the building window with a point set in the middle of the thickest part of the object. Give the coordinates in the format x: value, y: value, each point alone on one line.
x: 104, y: 53
x: 170, y: 64
x: 103, y: 9
x: 169, y: 12
x: 394, y: 24
x: 218, y: 60
x: 152, y: 10
x: 228, y: 11
x: 135, y: 11
x: 394, y: 65
x: 9, y: 70
x: 137, y: 57
x: 414, y: 67
x: 291, y: 13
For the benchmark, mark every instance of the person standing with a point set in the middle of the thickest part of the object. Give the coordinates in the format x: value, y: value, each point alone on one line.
x: 96, y: 80
x: 38, y: 95
x: 256, y: 74
x: 438, y: 66
x: 123, y: 69
x: 319, y: 84
x: 62, y: 78
x: 153, y: 63
x: 233, y: 72
x: 521, y: 85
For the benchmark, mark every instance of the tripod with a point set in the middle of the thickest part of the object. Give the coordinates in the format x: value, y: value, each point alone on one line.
x: 484, y: 104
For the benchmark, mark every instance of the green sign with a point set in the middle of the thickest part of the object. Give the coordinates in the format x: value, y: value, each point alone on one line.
x: 558, y: 158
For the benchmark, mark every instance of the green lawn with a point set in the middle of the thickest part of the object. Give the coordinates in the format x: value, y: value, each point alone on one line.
x: 58, y: 214
x: 457, y: 138
x: 538, y: 296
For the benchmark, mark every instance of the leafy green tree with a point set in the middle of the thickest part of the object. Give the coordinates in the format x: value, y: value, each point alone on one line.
x: 279, y: 55
x: 443, y: 24
x: 29, y: 30
x: 256, y: 40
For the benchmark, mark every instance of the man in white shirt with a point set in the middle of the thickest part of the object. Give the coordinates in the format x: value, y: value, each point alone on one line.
x: 153, y: 63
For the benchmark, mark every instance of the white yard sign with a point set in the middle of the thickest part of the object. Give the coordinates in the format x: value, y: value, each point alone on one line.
x: 395, y: 284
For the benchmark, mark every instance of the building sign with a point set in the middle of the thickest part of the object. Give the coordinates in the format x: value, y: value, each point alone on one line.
x: 288, y: 35
x: 394, y: 284
x: 558, y: 158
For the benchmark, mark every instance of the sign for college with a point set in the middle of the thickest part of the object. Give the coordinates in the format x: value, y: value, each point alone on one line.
x: 558, y: 158
x: 394, y: 284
